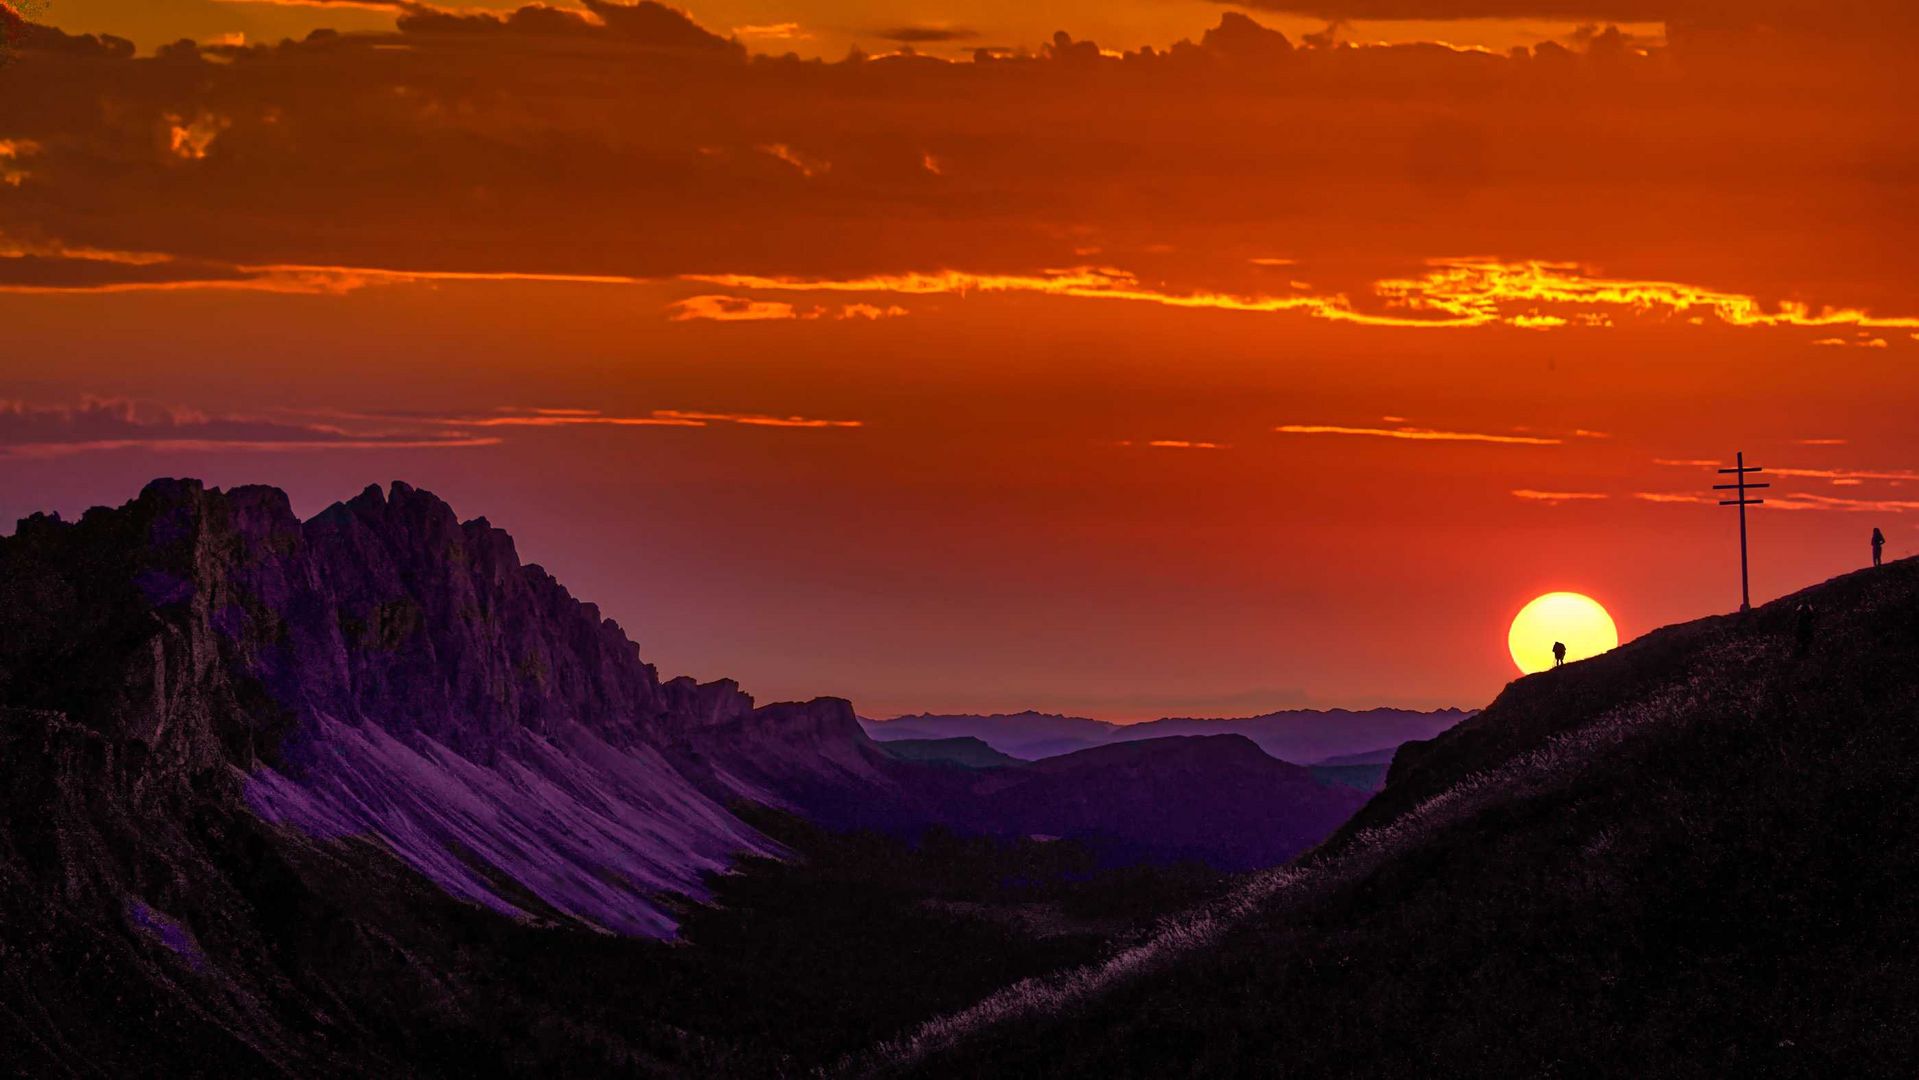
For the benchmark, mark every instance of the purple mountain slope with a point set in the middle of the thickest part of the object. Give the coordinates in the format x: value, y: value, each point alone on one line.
x: 385, y: 670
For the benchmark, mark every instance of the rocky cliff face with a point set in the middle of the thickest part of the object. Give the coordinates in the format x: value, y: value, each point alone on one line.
x: 385, y: 669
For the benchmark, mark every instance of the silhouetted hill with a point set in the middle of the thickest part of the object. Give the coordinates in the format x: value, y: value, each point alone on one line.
x: 1296, y: 735
x: 1218, y: 799
x: 1029, y: 735
x: 1696, y: 855
x: 1382, y: 757
x: 968, y: 752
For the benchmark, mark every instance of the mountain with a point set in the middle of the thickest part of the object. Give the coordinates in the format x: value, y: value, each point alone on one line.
x: 1029, y: 735
x: 965, y: 752
x: 366, y: 795
x: 1692, y: 856
x: 1298, y: 735
x: 1382, y: 758
x: 1215, y: 798
x: 381, y: 670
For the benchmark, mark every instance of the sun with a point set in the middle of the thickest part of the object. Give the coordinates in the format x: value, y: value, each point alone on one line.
x: 1568, y: 617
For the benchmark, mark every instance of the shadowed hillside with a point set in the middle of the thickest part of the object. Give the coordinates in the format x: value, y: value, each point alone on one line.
x: 1695, y: 855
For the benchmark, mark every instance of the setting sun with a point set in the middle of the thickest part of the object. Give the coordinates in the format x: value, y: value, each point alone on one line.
x: 1575, y: 620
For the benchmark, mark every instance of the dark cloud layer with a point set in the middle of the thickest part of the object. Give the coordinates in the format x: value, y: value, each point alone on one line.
x: 1851, y: 16
x: 628, y: 141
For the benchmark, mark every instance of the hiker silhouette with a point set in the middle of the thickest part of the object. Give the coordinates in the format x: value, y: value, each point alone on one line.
x: 1803, y: 628
x: 1559, y: 653
x: 1878, y: 545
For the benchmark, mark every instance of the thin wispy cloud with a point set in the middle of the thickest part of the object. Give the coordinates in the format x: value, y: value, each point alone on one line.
x: 1554, y: 498
x: 1894, y: 475
x: 1835, y: 475
x: 1804, y: 501
x: 1175, y: 444
x: 807, y: 165
x: 1418, y: 434
x: 754, y: 419
x: 1791, y: 501
x: 546, y: 417
x: 98, y: 425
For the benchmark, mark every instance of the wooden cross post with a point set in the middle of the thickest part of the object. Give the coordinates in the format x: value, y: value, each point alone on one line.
x: 1741, y: 486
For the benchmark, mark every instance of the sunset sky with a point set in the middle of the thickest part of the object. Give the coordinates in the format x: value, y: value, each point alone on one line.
x: 1133, y: 358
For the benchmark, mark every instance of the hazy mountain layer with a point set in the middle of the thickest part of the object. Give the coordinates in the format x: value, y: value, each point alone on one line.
x: 1302, y: 736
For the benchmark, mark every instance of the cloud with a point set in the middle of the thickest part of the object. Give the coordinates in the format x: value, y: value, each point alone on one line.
x: 807, y: 165
x: 926, y: 35
x: 571, y: 417
x: 786, y: 31
x: 1554, y: 498
x: 1885, y: 16
x: 1674, y: 497
x: 756, y: 419
x: 871, y: 312
x: 502, y: 143
x: 714, y: 307
x: 717, y: 308
x: 100, y: 424
x: 191, y: 139
x: 1836, y: 475
x: 58, y: 268
x: 1792, y: 502
x: 1176, y: 444
x: 1894, y: 475
x: 362, y: 5
x: 1831, y: 502
x: 1450, y: 294
x: 1417, y: 434
x: 12, y: 153
x: 105, y: 424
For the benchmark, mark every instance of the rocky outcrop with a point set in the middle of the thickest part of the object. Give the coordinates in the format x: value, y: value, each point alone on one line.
x: 381, y: 670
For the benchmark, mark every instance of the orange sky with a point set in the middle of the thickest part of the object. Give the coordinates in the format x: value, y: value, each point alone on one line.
x: 1242, y: 373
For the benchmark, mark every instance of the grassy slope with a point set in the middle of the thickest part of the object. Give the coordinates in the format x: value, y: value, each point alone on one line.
x: 1696, y: 855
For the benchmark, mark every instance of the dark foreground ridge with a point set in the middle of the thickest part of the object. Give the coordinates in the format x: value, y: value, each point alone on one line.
x: 1696, y: 855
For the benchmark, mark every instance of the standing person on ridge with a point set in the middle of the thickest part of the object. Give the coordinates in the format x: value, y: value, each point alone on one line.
x: 1878, y: 545
x: 1559, y: 654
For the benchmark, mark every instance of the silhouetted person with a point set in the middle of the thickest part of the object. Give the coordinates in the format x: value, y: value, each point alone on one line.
x: 1559, y: 653
x: 1878, y: 545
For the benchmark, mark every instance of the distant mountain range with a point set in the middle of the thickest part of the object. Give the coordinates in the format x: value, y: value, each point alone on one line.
x: 1302, y: 736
